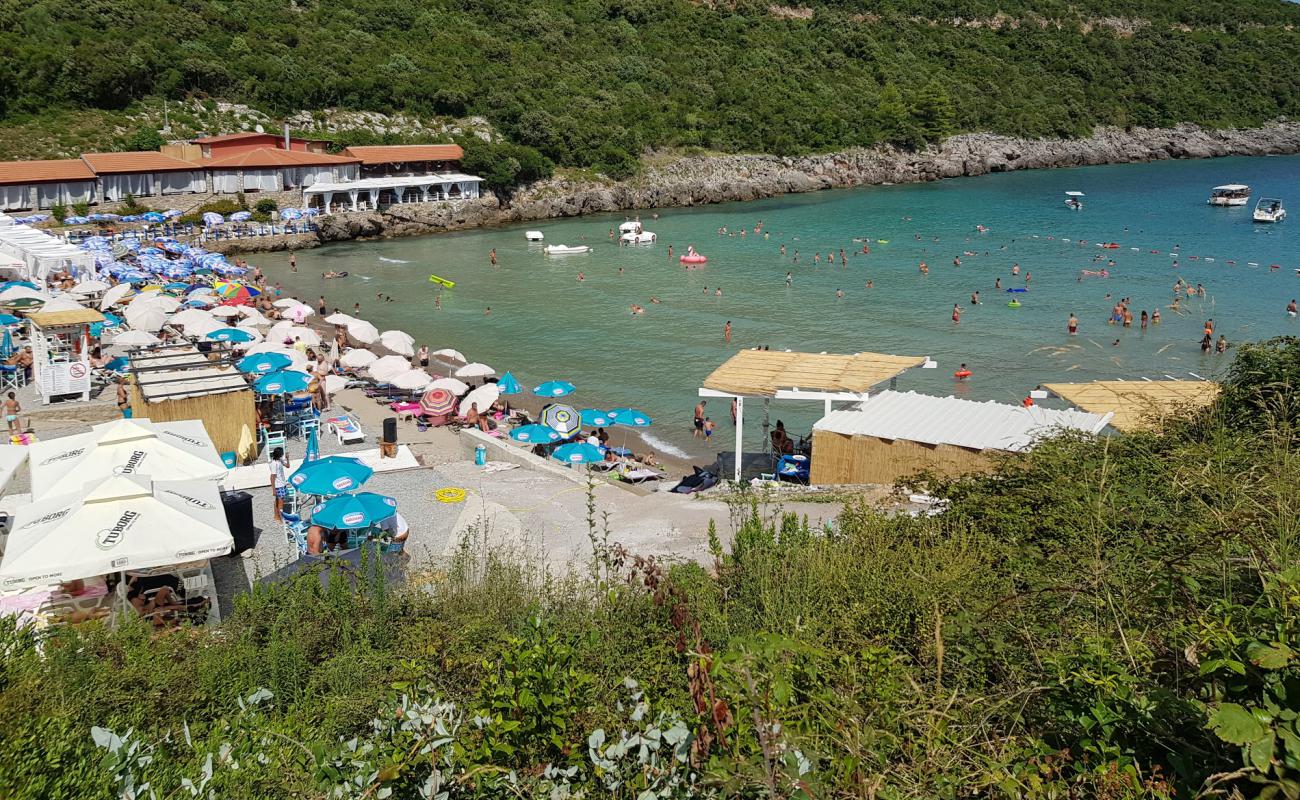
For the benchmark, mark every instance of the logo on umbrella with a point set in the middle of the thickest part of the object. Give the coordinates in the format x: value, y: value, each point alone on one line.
x: 68, y: 456
x: 193, y: 501
x: 50, y: 517
x: 355, y: 518
x: 342, y: 483
x: 109, y: 538
x: 132, y: 464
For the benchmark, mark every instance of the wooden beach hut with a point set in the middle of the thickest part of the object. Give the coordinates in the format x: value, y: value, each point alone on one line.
x: 176, y: 382
x: 1138, y: 405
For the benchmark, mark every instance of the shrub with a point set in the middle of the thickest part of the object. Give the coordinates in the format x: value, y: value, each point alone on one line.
x: 81, y: 208
x: 266, y: 205
x: 59, y: 211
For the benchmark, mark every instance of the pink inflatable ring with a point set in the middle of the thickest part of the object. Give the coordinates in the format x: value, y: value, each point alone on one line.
x: 696, y: 259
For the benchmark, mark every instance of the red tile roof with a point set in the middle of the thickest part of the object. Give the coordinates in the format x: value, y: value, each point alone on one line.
x: 392, y: 154
x: 69, y: 169
x: 230, y: 137
x: 270, y: 158
x: 117, y: 163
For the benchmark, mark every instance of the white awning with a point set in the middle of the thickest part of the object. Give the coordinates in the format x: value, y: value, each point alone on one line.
x: 12, y: 457
x: 432, y: 179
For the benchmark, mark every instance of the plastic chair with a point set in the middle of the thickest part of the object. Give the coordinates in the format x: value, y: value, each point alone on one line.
x: 273, y: 439
x: 10, y: 377
x: 295, y: 530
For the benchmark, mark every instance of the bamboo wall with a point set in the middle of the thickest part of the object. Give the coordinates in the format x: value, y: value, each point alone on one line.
x: 838, y: 459
x: 224, y: 415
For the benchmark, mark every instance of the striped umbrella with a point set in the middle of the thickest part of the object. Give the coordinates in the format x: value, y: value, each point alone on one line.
x: 562, y: 418
x: 437, y: 403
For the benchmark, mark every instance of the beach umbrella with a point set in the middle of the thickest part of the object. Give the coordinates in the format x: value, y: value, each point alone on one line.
x: 452, y: 385
x: 299, y: 313
x: 454, y: 355
x: 166, y: 302
x: 241, y: 216
x: 262, y: 363
x: 251, y: 316
x: 8, y: 296
x: 475, y: 370
x: 191, y: 316
x: 339, y: 318
x: 90, y: 287
x: 151, y: 318
x: 171, y: 213
x: 290, y: 214
x: 630, y: 417
x: 363, y: 331
x: 578, y: 453
x: 24, y: 284
x: 330, y: 475
x: 334, y: 382
x: 313, y: 447
x: 481, y: 398
x: 62, y: 303
x: 282, y: 381
x: 353, y: 511
x: 563, y: 418
x: 153, y: 216
x: 508, y: 385
x: 236, y: 335
x: 357, y: 358
x: 9, y: 319
x: 388, y: 367
x: 399, y: 342
x: 437, y: 402
x: 554, y: 389
x: 287, y: 302
x: 135, y: 338
x: 6, y: 344
x: 226, y: 311
x: 24, y: 302
x: 202, y: 327
x: 211, y: 218
x: 535, y: 434
x: 595, y: 417
x: 412, y: 379
x: 287, y: 331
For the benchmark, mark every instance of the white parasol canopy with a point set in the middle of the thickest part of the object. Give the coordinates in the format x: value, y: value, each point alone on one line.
x: 411, y: 379
x: 483, y: 397
x: 357, y: 358
x: 175, y: 450
x: 113, y: 295
x: 452, y: 385
x: 90, y: 287
x: 388, y: 367
x: 454, y: 355
x: 286, y: 330
x: 22, y: 293
x: 190, y: 316
x: 12, y: 457
x: 124, y: 522
x: 287, y: 302
x: 146, y: 318
x: 203, y: 327
x: 62, y: 303
x: 399, y: 342
x: 475, y: 370
x: 339, y: 318
x: 135, y: 339
x: 333, y: 383
x: 225, y: 311
x: 363, y: 331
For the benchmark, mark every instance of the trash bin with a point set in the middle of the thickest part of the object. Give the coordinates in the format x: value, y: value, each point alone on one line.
x: 239, y: 516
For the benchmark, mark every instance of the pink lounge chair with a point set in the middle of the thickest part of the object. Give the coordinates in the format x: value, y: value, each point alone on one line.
x: 404, y: 407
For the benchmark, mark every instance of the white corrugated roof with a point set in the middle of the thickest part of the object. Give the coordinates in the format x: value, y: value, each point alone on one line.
x: 951, y: 420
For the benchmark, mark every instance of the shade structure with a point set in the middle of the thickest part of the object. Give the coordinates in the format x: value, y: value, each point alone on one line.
x: 456, y: 387
x: 412, y: 380
x: 437, y: 402
x: 763, y: 373
x: 135, y: 338
x: 262, y: 363
x: 166, y: 450
x: 123, y: 522
x: 286, y: 331
x: 90, y: 287
x: 61, y: 303
x: 535, y: 434
x: 330, y: 475
x: 630, y: 417
x: 313, y: 446
x: 12, y: 456
x: 287, y: 302
x: 353, y: 511
x: 388, y: 367
x: 578, y: 453
x: 202, y: 327
x: 399, y: 342
x: 508, y: 384
x: 563, y: 418
x: 237, y: 335
x: 338, y: 318
x: 147, y: 319
x: 1135, y: 405
x: 299, y: 359
x: 554, y: 389
x: 22, y: 293
x: 333, y: 383
x: 114, y: 295
x: 282, y: 381
x: 190, y: 316
x: 357, y: 358
x: 363, y: 331
x: 480, y: 399
x: 226, y: 311
x: 475, y: 370
x: 595, y: 417
x: 449, y: 353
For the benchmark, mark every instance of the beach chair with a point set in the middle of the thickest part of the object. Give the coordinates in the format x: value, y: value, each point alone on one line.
x: 346, y: 429
x: 641, y: 475
x: 295, y: 530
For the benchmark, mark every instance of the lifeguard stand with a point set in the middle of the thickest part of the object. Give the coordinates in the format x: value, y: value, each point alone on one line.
x: 61, y: 352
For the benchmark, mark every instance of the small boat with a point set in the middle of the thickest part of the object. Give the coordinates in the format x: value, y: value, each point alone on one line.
x: 533, y: 236
x: 565, y: 250
x: 442, y: 281
x: 1269, y: 210
x: 1229, y: 194
x: 638, y: 237
x: 1073, y: 202
x: 630, y: 226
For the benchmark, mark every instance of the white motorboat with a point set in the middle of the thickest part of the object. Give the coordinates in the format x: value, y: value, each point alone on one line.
x: 630, y: 226
x: 1269, y: 210
x: 638, y: 237
x: 533, y: 236
x: 565, y: 250
x: 1230, y: 194
x: 1074, y: 201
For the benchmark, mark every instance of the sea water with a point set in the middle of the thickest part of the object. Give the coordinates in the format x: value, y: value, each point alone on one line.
x: 546, y: 324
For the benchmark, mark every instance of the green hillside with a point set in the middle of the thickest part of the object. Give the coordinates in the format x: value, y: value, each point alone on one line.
x: 593, y: 82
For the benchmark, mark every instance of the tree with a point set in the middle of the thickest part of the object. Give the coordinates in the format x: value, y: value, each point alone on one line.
x: 143, y: 139
x: 934, y: 113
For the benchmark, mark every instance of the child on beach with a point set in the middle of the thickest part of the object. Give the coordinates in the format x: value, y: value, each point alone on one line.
x: 709, y: 427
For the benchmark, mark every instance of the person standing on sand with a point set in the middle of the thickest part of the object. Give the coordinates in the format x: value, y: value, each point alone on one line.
x: 726, y: 332
x: 699, y: 418
x: 423, y: 355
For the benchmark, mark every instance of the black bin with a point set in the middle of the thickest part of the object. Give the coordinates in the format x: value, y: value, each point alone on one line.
x: 390, y: 430
x: 239, y: 515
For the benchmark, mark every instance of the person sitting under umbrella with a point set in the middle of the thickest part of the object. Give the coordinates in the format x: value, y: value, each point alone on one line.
x: 320, y: 539
x: 397, y: 528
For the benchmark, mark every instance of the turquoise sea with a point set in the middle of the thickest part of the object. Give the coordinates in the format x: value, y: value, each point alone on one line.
x: 545, y: 324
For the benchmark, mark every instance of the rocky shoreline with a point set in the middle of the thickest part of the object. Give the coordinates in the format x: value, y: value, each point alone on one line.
x: 694, y: 180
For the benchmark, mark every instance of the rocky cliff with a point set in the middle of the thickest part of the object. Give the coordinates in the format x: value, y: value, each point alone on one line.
x: 704, y: 179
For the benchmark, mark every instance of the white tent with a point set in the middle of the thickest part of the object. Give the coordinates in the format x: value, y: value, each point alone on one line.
x: 125, y: 522
x: 173, y: 450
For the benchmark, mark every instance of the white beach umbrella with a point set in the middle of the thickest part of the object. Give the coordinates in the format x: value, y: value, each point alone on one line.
x: 149, y: 318
x: 190, y: 316
x: 22, y: 293
x: 399, y: 342
x: 225, y: 311
x: 90, y: 287
x: 454, y: 355
x: 333, y: 383
x: 62, y: 303
x: 202, y: 327
x: 287, y: 302
x: 285, y: 330
x: 388, y: 367
x: 357, y: 358
x: 125, y: 522
x: 363, y: 331
x: 475, y: 370
x: 452, y: 385
x: 167, y: 303
x: 339, y: 318
x: 135, y: 339
x: 415, y: 379
x: 483, y: 397
x: 114, y: 295
x: 253, y: 319
x: 308, y: 336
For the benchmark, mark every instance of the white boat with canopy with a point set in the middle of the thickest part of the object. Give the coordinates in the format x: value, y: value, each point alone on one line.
x: 1269, y: 209
x: 1074, y: 200
x: 1230, y: 194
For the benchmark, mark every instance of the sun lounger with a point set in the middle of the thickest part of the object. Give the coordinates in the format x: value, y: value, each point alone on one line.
x: 347, y: 429
x: 641, y: 475
x: 405, y: 406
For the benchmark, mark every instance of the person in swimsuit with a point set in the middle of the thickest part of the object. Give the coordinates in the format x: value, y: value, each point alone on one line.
x: 1291, y: 309
x: 12, y: 409
x: 709, y: 427
x: 279, y: 482
x: 1073, y: 324
x: 956, y: 314
x: 123, y: 400
x: 699, y: 419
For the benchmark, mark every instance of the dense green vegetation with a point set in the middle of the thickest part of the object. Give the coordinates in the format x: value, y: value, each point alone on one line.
x: 594, y: 82
x: 1113, y: 618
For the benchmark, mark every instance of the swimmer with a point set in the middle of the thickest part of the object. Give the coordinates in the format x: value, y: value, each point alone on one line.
x: 717, y: 292
x: 655, y: 300
x: 962, y: 373
x: 975, y: 298
x: 1015, y: 269
x: 726, y: 332
x: 839, y: 294
x: 581, y: 277
x: 997, y: 283
x: 1073, y: 325
x: 636, y: 309
x: 789, y: 279
x: 869, y: 284
x: 1155, y: 317
x: 956, y: 314
x: 487, y: 311
x: 1291, y: 309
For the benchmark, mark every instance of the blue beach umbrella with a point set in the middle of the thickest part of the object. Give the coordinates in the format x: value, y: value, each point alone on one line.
x: 290, y: 213
x: 153, y: 216
x: 313, y: 446
x: 535, y: 434
x: 509, y: 385
x: 6, y: 345
x: 282, y: 381
x: 241, y: 216
x: 578, y: 453
x: 238, y: 335
x: 554, y: 389
x: 596, y: 417
x: 262, y: 363
x: 9, y: 319
x: 210, y: 218
x: 630, y: 417
x: 352, y: 511
x: 24, y: 284
x: 330, y: 475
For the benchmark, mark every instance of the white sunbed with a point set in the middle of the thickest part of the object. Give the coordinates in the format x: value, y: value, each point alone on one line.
x: 346, y: 428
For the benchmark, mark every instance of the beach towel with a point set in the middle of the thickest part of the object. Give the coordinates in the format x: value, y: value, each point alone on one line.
x: 404, y: 406
x: 347, y: 429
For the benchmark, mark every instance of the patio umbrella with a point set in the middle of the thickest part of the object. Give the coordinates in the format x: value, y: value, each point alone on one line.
x: 211, y: 218
x: 399, y: 342
x: 6, y: 345
x: 90, y: 287
x: 202, y: 327
x: 352, y: 511
x: 151, y: 318
x: 262, y: 363
x: 8, y: 296
x: 62, y: 303
x: 630, y: 417
x: 595, y: 417
x: 475, y: 370
x: 339, y: 318
x: 299, y: 313
x: 153, y: 216
x: 562, y: 418
x: 241, y: 216
x: 535, y: 434
x: 412, y: 379
x: 452, y: 385
x: 363, y: 331
x: 135, y: 338
x: 454, y: 355
x: 483, y: 397
x: 508, y: 385
x: 330, y: 475
x: 237, y: 335
x: 554, y: 389
x: 357, y: 358
x: 9, y: 319
x: 578, y: 453
x: 437, y: 402
x: 388, y: 367
x: 333, y: 383
x: 226, y: 311
x: 24, y: 302
x: 283, y: 381
x: 290, y: 214
x: 313, y: 447
x: 287, y: 302
x: 190, y: 316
